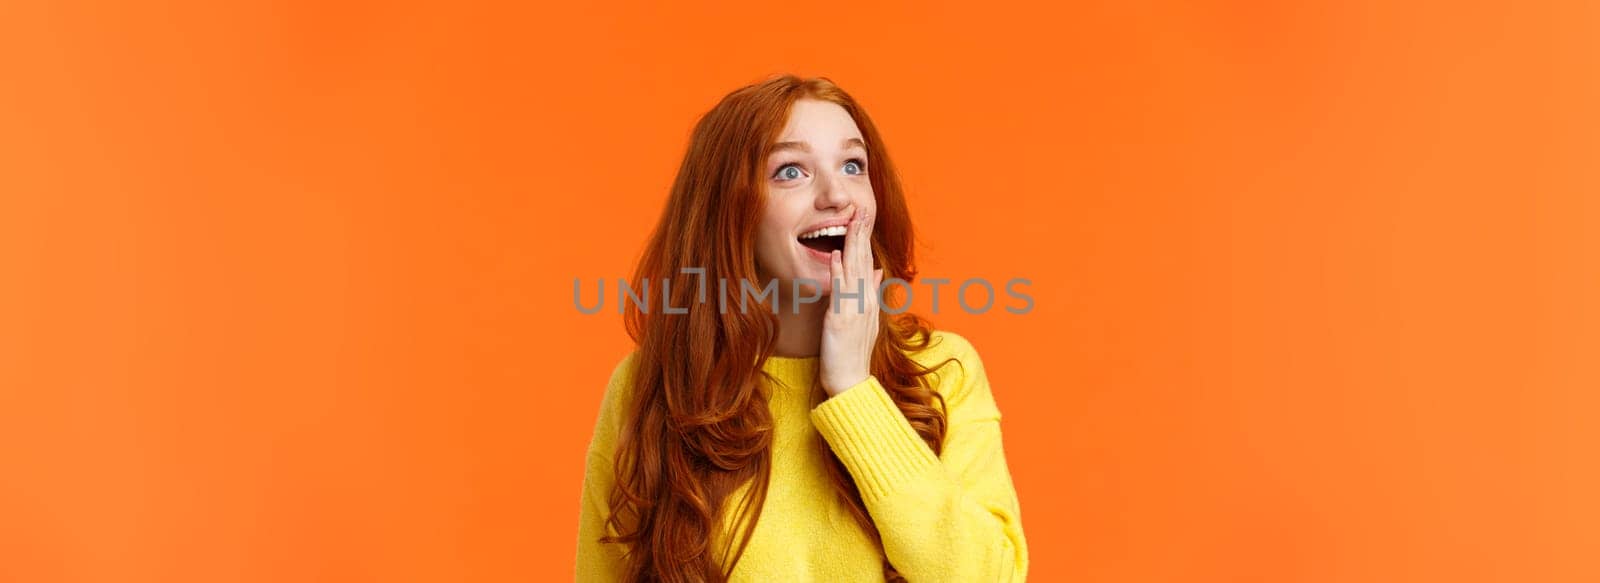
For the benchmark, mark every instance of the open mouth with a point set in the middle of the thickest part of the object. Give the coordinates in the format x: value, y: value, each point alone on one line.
x: 825, y: 240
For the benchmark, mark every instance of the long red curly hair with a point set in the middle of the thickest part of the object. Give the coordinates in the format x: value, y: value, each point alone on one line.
x: 698, y: 425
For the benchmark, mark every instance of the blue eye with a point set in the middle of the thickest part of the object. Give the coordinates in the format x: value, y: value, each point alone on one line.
x: 787, y: 172
x: 854, y: 167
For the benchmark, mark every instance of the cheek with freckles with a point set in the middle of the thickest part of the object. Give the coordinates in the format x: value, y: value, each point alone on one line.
x: 772, y: 238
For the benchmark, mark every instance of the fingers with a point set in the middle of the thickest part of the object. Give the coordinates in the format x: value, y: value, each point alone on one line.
x: 858, y: 247
x: 835, y: 267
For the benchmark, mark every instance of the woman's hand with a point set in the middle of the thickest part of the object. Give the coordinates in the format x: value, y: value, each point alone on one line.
x: 850, y: 327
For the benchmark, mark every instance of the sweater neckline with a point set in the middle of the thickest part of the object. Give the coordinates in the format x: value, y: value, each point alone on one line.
x: 804, y: 358
x: 792, y: 367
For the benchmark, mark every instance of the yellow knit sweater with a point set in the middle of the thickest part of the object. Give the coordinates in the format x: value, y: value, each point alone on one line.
x: 949, y: 517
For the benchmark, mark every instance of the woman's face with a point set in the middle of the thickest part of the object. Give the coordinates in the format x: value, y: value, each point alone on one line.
x: 815, y: 178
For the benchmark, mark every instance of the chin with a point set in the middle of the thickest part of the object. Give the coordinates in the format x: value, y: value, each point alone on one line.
x: 823, y: 287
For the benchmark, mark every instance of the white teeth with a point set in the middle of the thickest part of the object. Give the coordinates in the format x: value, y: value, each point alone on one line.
x: 825, y: 232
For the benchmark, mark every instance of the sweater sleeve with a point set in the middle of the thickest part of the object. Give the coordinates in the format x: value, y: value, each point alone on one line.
x: 949, y: 517
x: 602, y: 561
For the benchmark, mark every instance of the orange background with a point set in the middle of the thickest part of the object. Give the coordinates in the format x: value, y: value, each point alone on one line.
x: 287, y: 287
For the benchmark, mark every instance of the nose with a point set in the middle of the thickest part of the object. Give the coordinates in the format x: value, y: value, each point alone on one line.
x: 830, y: 193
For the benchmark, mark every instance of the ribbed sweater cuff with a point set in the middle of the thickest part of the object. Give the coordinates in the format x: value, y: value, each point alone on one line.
x: 873, y: 439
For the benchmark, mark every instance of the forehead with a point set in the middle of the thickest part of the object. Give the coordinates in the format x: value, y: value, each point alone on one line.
x: 819, y: 122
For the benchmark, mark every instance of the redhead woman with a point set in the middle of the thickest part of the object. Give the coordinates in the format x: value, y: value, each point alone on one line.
x: 774, y: 423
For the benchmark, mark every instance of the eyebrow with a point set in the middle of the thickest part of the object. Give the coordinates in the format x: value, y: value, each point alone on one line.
x: 804, y: 147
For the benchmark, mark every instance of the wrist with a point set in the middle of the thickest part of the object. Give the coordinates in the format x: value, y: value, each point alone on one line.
x: 843, y: 383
